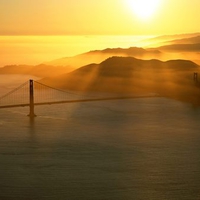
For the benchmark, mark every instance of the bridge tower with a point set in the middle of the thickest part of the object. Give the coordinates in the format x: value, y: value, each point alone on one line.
x: 31, y: 99
x: 196, y: 77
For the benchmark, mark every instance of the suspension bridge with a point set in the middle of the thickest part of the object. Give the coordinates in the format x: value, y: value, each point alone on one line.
x: 33, y: 93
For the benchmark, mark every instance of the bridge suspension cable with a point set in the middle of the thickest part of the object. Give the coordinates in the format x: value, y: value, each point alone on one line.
x: 18, y: 96
x: 44, y: 93
x: 33, y: 93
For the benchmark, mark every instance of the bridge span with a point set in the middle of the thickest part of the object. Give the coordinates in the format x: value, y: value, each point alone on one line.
x: 33, y: 93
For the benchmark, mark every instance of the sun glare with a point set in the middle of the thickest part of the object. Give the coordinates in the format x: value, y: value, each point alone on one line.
x: 144, y: 9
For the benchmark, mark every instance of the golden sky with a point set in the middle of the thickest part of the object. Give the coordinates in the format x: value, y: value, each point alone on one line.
x: 98, y: 17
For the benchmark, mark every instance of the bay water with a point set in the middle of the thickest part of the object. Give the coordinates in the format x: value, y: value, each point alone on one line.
x: 133, y: 149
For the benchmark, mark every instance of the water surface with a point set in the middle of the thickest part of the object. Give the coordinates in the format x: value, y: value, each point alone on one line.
x: 125, y: 149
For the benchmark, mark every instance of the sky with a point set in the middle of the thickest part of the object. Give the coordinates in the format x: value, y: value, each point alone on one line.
x: 97, y: 17
x: 32, y: 32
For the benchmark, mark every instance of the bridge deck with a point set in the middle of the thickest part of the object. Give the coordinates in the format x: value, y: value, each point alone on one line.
x: 79, y: 100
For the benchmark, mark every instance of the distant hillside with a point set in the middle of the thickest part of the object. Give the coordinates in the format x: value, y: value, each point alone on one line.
x: 184, y: 48
x: 176, y: 36
x: 173, y: 78
x: 181, y: 47
x: 38, y: 70
x: 97, y: 56
x: 178, y: 43
x: 162, y: 46
x: 191, y: 40
x: 168, y: 39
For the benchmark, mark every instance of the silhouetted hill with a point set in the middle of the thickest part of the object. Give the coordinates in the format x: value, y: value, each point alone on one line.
x: 97, y: 56
x: 191, y: 40
x: 163, y: 39
x: 180, y: 48
x: 15, y: 69
x: 173, y: 78
x: 132, y: 51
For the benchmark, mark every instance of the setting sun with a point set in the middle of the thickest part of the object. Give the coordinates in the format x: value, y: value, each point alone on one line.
x: 144, y: 9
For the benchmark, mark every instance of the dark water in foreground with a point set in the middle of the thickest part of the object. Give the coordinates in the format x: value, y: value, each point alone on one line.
x: 129, y: 149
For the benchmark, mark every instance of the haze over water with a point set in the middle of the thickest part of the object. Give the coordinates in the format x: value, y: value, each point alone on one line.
x: 33, y: 50
x: 125, y: 149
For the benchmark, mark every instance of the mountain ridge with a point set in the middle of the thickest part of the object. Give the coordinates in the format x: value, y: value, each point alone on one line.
x: 129, y: 75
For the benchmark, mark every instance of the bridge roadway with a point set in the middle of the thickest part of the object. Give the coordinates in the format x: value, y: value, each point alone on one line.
x: 80, y: 100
